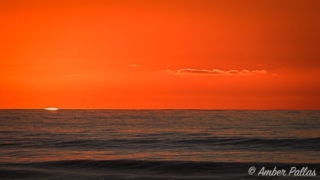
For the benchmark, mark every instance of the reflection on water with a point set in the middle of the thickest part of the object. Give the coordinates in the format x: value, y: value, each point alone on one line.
x: 219, y: 136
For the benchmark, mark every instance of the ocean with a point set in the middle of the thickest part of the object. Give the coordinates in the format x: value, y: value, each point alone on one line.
x: 159, y: 144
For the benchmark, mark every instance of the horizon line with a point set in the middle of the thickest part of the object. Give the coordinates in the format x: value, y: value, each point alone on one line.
x: 209, y: 109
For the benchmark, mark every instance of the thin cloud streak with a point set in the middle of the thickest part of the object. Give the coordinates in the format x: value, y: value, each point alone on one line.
x: 135, y: 65
x: 190, y: 71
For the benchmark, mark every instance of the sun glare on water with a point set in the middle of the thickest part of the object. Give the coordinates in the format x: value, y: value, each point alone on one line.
x: 51, y: 109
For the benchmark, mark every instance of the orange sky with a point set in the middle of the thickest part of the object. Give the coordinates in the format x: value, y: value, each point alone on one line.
x: 160, y: 54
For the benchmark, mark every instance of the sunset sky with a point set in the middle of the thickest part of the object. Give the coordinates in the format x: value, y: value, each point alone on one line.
x: 163, y: 54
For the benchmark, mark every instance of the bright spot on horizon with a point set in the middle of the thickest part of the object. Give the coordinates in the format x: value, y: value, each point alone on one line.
x: 51, y: 108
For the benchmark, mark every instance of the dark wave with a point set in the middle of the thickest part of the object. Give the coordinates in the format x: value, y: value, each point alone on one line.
x: 137, y: 169
x: 312, y: 144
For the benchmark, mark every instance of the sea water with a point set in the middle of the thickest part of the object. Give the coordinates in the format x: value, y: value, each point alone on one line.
x: 157, y: 144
